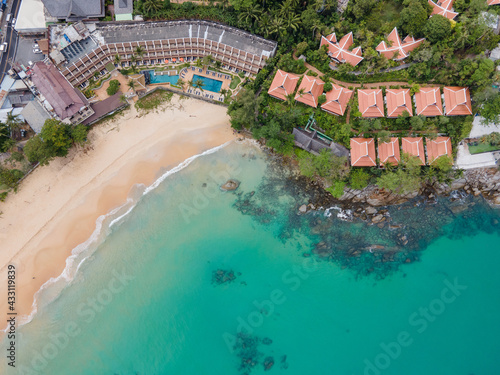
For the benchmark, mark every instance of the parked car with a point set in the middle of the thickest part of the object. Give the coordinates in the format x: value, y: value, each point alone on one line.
x: 3, y: 47
x: 37, y: 50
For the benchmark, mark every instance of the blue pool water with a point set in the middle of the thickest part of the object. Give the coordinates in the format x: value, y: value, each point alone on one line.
x: 210, y: 84
x: 162, y: 78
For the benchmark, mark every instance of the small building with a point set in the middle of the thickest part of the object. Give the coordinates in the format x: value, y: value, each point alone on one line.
x: 340, y: 51
x: 123, y: 10
x: 310, y: 141
x: 105, y: 108
x: 309, y: 91
x: 336, y: 100
x: 457, y: 101
x: 371, y: 103
x: 388, y: 152
x: 139, y: 82
x: 283, y: 84
x: 438, y: 147
x: 414, y: 146
x: 363, y: 152
x: 75, y: 10
x: 444, y: 8
x: 31, y: 18
x: 35, y: 115
x: 56, y: 92
x: 428, y: 102
x: 398, y: 102
x: 493, y: 2
x: 396, y: 49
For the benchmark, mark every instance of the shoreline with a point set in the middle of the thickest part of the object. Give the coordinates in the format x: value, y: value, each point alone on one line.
x: 70, y: 194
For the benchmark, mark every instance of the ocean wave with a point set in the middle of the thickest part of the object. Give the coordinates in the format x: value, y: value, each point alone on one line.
x: 70, y: 271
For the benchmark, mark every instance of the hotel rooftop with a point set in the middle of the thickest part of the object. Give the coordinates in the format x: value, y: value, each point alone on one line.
x: 312, y: 89
x: 457, y: 101
x: 388, y: 152
x: 283, y: 84
x: 428, y: 102
x: 363, y: 152
x: 339, y: 51
x: 438, y: 147
x: 414, y: 146
x: 444, y: 8
x: 336, y: 100
x: 398, y: 102
x: 371, y: 103
x: 397, y: 49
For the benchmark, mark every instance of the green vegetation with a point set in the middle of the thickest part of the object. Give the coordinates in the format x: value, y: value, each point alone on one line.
x: 154, y: 100
x: 235, y: 82
x: 114, y: 86
x: 490, y: 142
x: 325, y: 165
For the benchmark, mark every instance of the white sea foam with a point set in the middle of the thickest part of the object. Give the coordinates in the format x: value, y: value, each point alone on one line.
x: 70, y: 270
x: 345, y: 215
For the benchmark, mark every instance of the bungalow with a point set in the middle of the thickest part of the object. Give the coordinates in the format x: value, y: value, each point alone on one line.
x: 371, y: 103
x: 457, y: 101
x: 363, y: 152
x: 444, y: 8
x: 493, y: 2
x: 414, y: 146
x: 398, y: 102
x: 388, y: 152
x: 283, y: 84
x: 438, y: 147
x: 336, y: 100
x: 339, y: 51
x: 428, y: 102
x: 309, y: 91
x: 396, y: 49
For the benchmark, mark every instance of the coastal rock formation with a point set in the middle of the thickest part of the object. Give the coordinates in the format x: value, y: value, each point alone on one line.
x: 223, y: 276
x: 230, y: 185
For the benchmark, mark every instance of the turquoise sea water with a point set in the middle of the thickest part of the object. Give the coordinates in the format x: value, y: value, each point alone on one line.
x: 197, y: 281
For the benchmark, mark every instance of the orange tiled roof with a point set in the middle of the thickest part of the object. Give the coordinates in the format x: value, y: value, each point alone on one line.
x: 444, y: 8
x: 414, y: 146
x: 371, y: 103
x: 437, y: 148
x: 363, y: 152
x: 403, y: 48
x: 457, y: 101
x: 388, y: 152
x: 283, y: 84
x: 313, y: 88
x: 428, y: 101
x: 493, y: 2
x: 339, y: 51
x: 336, y: 100
x: 398, y: 101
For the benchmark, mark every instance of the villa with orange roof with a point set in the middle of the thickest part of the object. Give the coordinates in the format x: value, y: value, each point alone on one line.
x: 363, y: 152
x: 457, y: 101
x: 283, y: 84
x: 438, y: 147
x: 336, y: 100
x: 309, y: 91
x: 397, y: 49
x: 428, y: 102
x: 388, y: 152
x: 339, y: 51
x: 398, y: 102
x: 371, y: 103
x: 414, y: 146
x: 444, y: 8
x: 493, y: 2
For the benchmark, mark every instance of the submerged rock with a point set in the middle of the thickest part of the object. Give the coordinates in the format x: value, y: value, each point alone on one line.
x: 230, y: 185
x: 223, y: 276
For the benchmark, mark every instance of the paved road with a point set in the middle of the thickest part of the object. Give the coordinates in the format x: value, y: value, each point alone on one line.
x: 11, y: 38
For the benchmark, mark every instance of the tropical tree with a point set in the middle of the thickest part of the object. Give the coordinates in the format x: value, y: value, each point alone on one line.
x: 139, y: 51
x: 123, y: 98
x: 131, y: 85
x: 117, y: 59
x: 13, y: 123
x: 199, y: 84
x: 151, y: 7
x: 180, y: 82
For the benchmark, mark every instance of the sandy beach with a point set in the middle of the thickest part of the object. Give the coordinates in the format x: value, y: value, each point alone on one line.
x: 56, y: 207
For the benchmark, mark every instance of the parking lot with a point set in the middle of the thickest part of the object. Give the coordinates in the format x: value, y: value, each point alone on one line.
x: 24, y: 52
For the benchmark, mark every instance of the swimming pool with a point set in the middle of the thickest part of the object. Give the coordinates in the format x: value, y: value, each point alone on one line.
x: 210, y: 84
x: 162, y: 78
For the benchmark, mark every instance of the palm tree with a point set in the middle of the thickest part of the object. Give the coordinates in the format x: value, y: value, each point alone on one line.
x: 276, y: 26
x: 199, y: 84
x: 13, y: 123
x: 248, y: 14
x: 265, y: 25
x: 151, y: 7
x: 131, y: 84
x: 290, y: 100
x: 180, y: 83
x: 292, y: 21
x: 123, y: 98
x: 140, y: 52
x: 117, y: 59
x: 190, y: 83
x: 301, y: 92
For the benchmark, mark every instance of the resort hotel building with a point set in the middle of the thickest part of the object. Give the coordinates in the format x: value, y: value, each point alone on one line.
x: 92, y: 48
